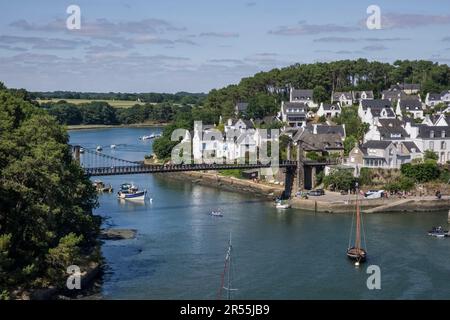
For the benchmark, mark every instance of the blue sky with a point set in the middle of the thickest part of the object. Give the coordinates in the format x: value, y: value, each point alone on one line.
x: 197, y: 45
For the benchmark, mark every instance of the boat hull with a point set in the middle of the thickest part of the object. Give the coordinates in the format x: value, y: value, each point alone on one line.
x: 132, y: 196
x: 359, y: 255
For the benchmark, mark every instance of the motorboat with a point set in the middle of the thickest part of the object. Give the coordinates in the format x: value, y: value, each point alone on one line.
x: 216, y: 213
x: 113, y: 146
x: 148, y: 137
x: 99, y: 148
x: 131, y: 192
x: 280, y: 205
x: 438, y: 232
x: 81, y: 150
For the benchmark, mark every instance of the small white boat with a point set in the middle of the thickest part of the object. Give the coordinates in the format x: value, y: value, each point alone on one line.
x: 147, y: 137
x: 81, y: 150
x: 216, y: 213
x: 282, y: 206
x: 99, y: 148
x: 113, y: 146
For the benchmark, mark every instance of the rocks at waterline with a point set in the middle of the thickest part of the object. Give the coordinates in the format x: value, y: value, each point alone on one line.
x: 118, y: 234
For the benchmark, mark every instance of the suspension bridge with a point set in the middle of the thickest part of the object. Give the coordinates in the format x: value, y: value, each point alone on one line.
x: 96, y: 163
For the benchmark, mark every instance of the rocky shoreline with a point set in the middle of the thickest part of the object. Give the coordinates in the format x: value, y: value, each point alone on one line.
x: 212, y: 179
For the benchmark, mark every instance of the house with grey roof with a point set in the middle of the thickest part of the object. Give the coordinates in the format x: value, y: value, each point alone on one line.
x: 409, y: 106
x: 293, y: 113
x: 329, y: 110
x: 369, y: 110
x: 304, y: 96
x: 392, y: 95
x: 386, y: 129
x: 432, y: 99
x: 436, y: 139
x: 362, y: 95
x: 320, y: 139
x: 344, y: 98
x: 445, y: 97
x: 383, y: 154
x: 408, y: 88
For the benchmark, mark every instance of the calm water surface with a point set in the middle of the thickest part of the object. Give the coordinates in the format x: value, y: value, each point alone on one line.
x: 179, y: 251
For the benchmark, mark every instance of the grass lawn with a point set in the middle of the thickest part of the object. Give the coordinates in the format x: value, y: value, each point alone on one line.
x: 112, y: 103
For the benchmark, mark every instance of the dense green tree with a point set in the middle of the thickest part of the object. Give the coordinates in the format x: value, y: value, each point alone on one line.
x: 44, y: 194
x: 320, y: 94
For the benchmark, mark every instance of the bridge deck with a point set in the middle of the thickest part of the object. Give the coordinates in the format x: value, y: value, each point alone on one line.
x: 120, y: 170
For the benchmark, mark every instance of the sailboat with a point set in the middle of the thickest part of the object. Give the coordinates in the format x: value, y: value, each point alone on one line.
x: 227, y: 273
x: 356, y: 252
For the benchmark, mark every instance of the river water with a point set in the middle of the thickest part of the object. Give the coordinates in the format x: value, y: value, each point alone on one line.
x: 180, y: 249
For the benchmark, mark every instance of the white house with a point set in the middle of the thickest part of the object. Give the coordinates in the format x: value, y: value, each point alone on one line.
x: 329, y: 110
x: 293, y: 113
x: 386, y: 129
x: 408, y: 88
x: 362, y: 95
x: 304, y: 96
x: 383, y: 154
x: 432, y: 99
x: 411, y: 106
x: 368, y: 110
x: 445, y: 97
x: 434, y: 138
x: 344, y: 98
x: 207, y: 142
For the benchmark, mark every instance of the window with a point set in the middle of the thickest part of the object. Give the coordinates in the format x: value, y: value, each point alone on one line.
x: 431, y: 145
x: 443, y: 145
x: 431, y: 134
x: 443, y: 133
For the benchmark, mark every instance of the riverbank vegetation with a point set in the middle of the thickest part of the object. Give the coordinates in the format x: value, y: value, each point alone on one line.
x: 46, y: 201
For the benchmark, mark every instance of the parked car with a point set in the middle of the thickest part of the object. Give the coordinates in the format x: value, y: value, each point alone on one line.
x: 374, y: 194
x: 317, y: 192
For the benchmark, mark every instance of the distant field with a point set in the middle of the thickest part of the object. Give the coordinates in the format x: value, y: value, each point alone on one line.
x: 112, y: 103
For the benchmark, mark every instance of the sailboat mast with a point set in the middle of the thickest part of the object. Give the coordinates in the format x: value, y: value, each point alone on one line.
x: 358, y: 223
x: 229, y: 269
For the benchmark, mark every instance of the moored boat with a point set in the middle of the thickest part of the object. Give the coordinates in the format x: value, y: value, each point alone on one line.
x: 81, y: 150
x: 216, y: 213
x: 101, y: 187
x: 438, y: 232
x: 356, y: 252
x: 131, y: 192
x: 282, y: 206
x: 99, y: 148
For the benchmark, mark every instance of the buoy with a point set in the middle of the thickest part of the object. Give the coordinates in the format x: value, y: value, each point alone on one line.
x: 357, y: 264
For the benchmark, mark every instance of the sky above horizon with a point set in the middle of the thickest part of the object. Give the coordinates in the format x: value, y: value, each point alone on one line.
x: 198, y: 45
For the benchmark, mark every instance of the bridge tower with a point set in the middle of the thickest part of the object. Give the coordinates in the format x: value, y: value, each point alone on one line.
x: 300, y: 169
x: 76, y: 153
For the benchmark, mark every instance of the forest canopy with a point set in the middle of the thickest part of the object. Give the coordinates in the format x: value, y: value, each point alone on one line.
x: 46, y: 201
